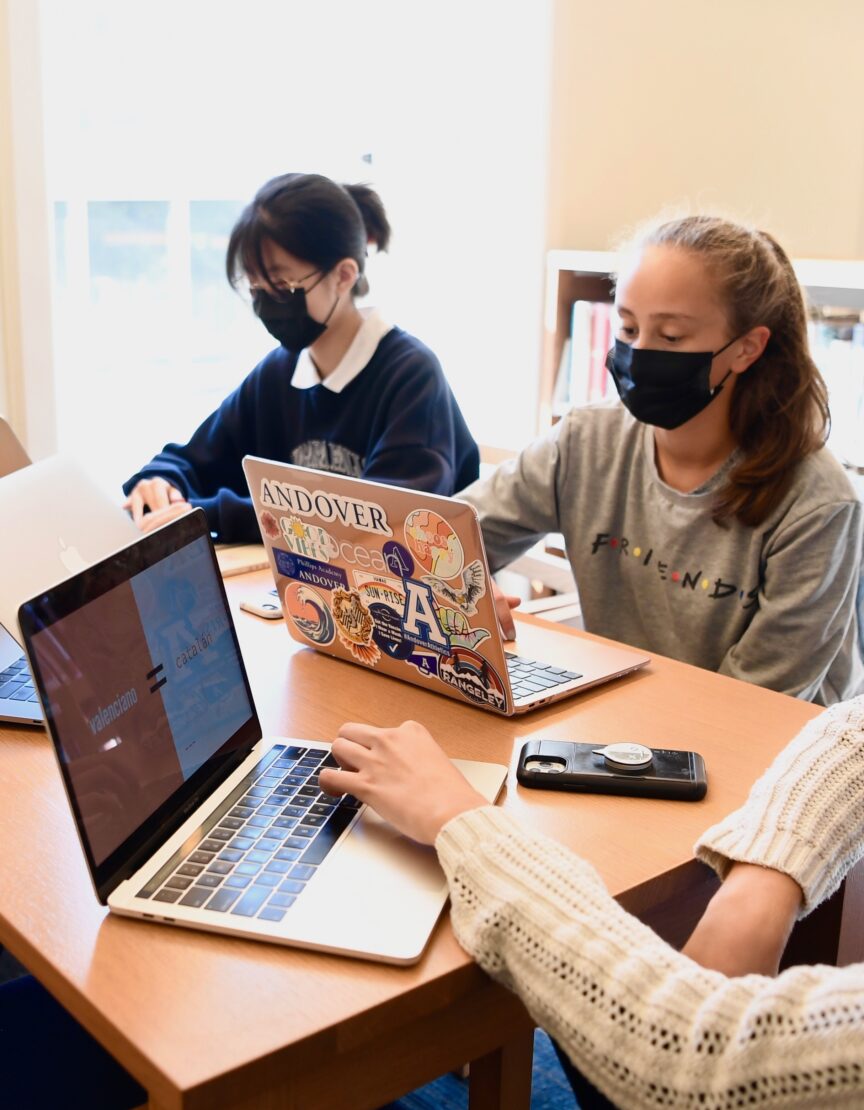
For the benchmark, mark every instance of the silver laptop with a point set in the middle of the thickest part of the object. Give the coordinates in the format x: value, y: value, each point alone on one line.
x: 397, y: 581
x: 185, y: 814
x: 18, y: 701
x: 55, y: 520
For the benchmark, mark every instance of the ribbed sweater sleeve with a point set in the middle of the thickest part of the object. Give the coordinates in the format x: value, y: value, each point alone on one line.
x: 805, y: 815
x: 644, y: 1023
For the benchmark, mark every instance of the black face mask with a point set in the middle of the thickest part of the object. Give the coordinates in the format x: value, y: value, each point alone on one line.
x: 663, y: 388
x: 287, y: 318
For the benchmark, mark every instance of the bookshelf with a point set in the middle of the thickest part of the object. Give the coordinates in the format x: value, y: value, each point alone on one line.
x: 570, y: 276
x: 835, y: 292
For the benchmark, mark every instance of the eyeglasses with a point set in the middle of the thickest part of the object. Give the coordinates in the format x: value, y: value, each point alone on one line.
x: 285, y: 286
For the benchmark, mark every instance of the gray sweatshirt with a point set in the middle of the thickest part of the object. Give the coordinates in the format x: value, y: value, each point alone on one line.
x: 773, y: 605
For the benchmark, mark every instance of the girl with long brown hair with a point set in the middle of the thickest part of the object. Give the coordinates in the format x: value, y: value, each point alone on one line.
x: 703, y: 517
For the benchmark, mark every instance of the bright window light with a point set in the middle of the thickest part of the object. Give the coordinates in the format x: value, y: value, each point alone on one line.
x: 161, y: 123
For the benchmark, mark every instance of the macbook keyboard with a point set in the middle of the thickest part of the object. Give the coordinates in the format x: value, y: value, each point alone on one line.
x: 528, y: 676
x: 255, y: 855
x: 16, y: 683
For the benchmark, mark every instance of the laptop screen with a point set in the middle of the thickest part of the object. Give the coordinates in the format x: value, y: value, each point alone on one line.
x: 143, y: 681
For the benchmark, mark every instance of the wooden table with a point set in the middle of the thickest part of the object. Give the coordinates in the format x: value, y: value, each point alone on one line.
x: 206, y: 1021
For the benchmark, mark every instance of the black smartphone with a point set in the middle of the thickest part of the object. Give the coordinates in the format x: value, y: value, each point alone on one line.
x: 612, y: 769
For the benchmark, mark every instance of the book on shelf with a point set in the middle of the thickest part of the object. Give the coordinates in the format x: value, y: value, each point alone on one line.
x: 582, y: 376
x: 837, y: 347
x: 561, y: 390
x: 601, y: 331
x: 580, y: 352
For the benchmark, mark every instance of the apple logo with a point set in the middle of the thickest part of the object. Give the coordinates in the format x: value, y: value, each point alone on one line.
x: 71, y: 558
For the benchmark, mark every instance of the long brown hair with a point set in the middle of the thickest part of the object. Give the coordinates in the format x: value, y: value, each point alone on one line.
x: 779, y: 411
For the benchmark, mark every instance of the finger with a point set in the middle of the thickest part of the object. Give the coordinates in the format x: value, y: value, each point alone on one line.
x: 337, y: 781
x: 350, y: 756
x: 513, y: 602
x: 174, y: 494
x: 135, y: 502
x: 150, y: 522
x: 365, y: 735
x: 508, y: 628
x: 159, y: 517
x: 158, y: 495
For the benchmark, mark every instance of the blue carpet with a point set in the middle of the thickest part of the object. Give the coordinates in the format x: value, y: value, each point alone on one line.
x: 9, y: 967
x: 550, y: 1088
x: 47, y: 1060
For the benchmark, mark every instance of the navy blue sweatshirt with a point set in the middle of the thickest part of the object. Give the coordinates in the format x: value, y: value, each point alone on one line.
x: 397, y: 421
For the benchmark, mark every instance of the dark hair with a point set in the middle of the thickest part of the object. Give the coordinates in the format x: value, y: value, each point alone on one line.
x: 779, y: 411
x: 312, y: 218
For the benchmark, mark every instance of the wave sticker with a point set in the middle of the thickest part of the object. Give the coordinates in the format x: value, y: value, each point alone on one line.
x: 309, y: 613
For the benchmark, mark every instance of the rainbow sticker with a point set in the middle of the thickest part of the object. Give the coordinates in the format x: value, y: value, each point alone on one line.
x: 474, y: 677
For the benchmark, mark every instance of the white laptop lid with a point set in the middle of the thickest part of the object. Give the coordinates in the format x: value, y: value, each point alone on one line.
x: 55, y: 521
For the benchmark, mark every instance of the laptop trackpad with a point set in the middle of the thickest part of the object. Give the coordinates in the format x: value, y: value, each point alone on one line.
x: 378, y: 893
x: 381, y: 893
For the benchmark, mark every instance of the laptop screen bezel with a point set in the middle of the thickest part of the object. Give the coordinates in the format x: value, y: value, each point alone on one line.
x: 68, y: 597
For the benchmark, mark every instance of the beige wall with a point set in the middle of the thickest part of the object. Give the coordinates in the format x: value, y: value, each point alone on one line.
x: 11, y: 403
x: 26, y: 371
x: 755, y: 107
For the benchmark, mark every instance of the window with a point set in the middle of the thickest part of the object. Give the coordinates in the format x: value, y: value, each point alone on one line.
x: 161, y: 122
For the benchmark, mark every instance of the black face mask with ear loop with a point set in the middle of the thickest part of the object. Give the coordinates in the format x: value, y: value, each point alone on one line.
x: 664, y: 388
x: 287, y: 318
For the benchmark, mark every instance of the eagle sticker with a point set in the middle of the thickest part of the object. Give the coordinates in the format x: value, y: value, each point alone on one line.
x: 465, y: 592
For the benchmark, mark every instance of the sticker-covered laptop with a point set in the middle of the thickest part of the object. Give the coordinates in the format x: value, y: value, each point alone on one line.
x: 186, y: 814
x: 397, y: 581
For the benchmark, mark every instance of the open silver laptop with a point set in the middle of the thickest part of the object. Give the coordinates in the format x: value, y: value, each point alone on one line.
x: 18, y: 701
x: 54, y: 520
x: 185, y: 814
x: 397, y: 581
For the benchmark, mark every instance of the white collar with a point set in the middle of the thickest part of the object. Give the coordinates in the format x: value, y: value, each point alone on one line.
x: 356, y: 358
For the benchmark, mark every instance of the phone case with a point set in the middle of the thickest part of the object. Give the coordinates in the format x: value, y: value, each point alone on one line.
x: 264, y: 605
x: 673, y: 774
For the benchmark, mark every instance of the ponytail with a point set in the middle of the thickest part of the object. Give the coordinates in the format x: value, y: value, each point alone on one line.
x: 312, y: 218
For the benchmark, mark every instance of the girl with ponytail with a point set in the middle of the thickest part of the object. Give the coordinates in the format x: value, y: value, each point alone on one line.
x: 703, y: 517
x: 344, y: 391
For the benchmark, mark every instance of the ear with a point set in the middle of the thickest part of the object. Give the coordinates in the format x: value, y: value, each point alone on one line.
x: 347, y: 272
x: 749, y: 348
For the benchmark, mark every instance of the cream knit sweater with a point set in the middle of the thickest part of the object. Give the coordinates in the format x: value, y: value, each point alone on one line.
x: 646, y: 1025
